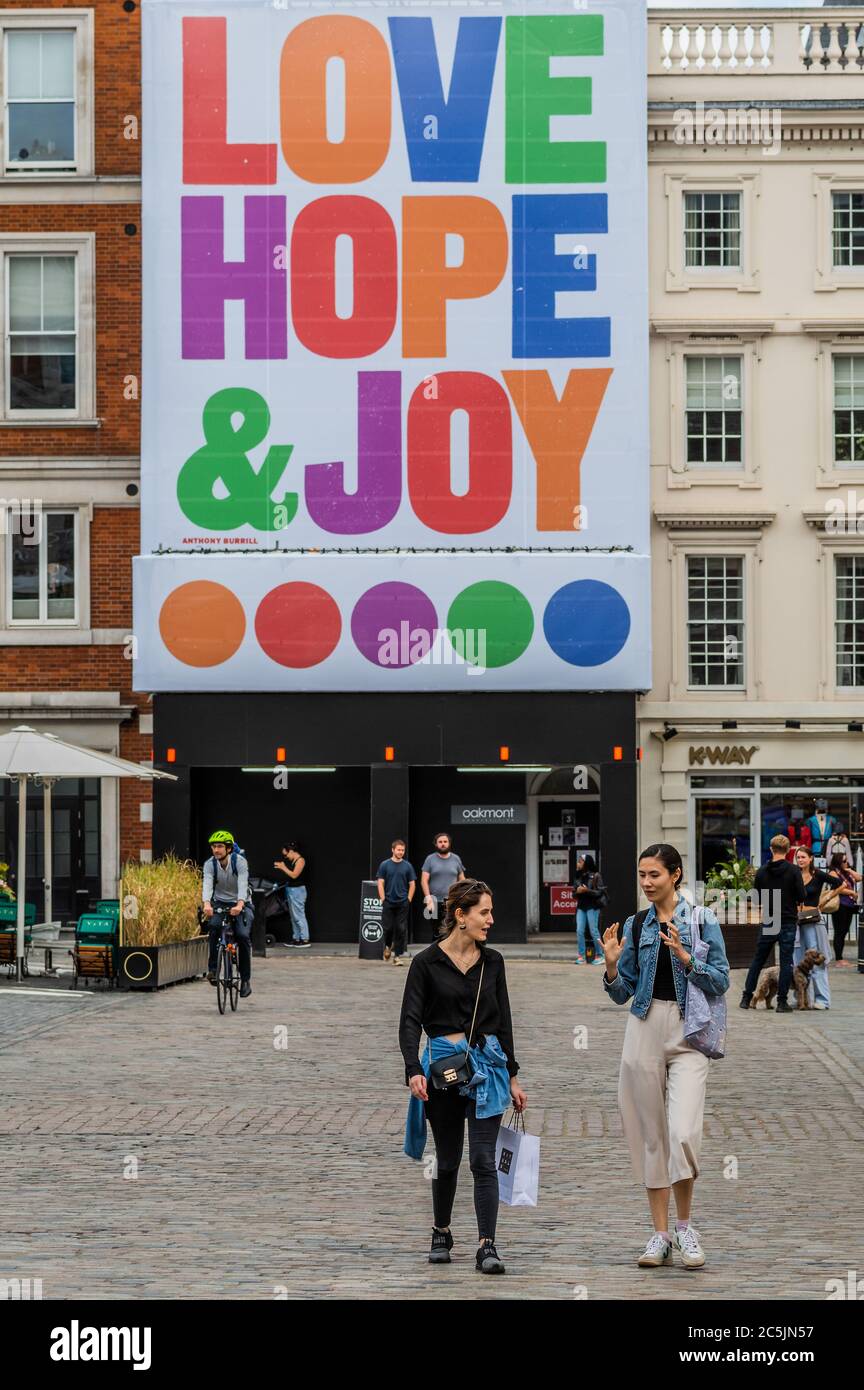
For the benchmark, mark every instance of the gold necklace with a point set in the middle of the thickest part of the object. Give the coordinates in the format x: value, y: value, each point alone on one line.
x: 464, y: 970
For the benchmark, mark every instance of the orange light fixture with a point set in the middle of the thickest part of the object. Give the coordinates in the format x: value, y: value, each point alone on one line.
x: 389, y: 753
x: 280, y: 755
x: 504, y: 753
x: 618, y: 753
x: 171, y: 755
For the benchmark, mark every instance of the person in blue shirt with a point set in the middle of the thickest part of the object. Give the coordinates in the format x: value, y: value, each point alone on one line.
x: 397, y: 882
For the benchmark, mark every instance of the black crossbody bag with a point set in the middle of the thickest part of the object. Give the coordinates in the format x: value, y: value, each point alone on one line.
x: 455, y: 1069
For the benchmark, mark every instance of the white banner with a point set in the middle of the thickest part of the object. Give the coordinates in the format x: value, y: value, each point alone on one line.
x: 384, y: 622
x: 395, y: 286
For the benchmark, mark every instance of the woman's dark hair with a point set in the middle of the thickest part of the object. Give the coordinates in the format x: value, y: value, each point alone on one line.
x: 589, y: 865
x: 292, y: 844
x: 838, y: 858
x: 464, y: 893
x: 669, y: 858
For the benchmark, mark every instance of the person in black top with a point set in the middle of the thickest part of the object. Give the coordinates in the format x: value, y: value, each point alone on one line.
x: 590, y: 895
x: 294, y: 866
x: 446, y: 983
x: 839, y: 864
x: 815, y: 934
x: 781, y: 893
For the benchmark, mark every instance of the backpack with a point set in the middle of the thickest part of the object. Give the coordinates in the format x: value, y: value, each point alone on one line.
x: 638, y: 922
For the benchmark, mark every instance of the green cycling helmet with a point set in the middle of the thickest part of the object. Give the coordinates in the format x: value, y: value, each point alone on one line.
x: 221, y: 837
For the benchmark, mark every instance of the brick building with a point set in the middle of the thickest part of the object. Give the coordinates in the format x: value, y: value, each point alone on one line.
x: 70, y: 268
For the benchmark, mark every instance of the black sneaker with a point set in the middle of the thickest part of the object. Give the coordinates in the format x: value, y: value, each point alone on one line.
x: 442, y: 1244
x: 211, y: 977
x: 245, y: 989
x: 488, y: 1260
x: 783, y: 1007
x: 745, y: 1000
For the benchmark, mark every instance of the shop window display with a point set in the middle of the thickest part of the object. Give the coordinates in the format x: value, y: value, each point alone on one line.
x: 812, y: 820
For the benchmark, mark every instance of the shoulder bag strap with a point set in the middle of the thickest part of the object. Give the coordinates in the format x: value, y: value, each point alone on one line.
x: 476, y: 1004
x: 695, y: 923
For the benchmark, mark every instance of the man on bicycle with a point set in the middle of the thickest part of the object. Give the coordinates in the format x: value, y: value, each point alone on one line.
x: 226, y: 884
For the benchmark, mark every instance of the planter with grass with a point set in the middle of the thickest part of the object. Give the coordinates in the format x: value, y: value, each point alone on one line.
x: 160, y: 939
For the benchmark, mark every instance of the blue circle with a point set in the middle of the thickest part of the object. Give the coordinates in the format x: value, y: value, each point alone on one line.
x: 586, y: 623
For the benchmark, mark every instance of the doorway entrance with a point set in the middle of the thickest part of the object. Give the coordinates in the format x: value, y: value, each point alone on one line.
x: 563, y: 824
x: 75, y: 822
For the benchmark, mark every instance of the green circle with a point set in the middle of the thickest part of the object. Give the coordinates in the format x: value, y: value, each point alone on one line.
x: 490, y: 623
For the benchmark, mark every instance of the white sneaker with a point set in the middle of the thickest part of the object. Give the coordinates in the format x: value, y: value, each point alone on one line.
x: 820, y: 1005
x: 688, y: 1247
x: 397, y: 960
x: 657, y: 1252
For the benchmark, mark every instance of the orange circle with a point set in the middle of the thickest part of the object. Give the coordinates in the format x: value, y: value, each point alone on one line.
x: 202, y: 623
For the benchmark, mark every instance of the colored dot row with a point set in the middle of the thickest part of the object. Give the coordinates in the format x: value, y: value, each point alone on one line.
x: 394, y: 624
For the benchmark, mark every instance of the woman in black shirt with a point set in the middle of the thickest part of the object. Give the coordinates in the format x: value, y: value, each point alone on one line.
x: 454, y: 982
x: 814, y: 935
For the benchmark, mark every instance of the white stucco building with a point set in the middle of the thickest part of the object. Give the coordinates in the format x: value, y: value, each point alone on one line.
x: 756, y: 214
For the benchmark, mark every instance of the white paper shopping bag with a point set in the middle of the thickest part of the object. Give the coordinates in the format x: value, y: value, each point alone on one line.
x: 517, y: 1159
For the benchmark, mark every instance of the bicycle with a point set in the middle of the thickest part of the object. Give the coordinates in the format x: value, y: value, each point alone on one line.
x: 227, y: 961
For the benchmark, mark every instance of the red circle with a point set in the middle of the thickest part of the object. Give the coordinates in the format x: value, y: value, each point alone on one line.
x: 298, y: 625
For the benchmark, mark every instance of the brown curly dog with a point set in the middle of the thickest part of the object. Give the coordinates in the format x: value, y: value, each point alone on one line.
x: 770, y: 978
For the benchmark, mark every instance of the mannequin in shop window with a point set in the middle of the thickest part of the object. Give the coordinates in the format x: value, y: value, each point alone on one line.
x: 822, y: 826
x: 798, y: 831
x: 839, y: 840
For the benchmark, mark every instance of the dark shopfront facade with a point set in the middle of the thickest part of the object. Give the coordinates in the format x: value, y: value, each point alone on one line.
x: 338, y: 795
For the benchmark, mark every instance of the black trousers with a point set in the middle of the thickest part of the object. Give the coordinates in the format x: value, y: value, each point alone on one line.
x: 394, y: 921
x: 447, y: 1112
x: 786, y: 948
x: 842, y: 918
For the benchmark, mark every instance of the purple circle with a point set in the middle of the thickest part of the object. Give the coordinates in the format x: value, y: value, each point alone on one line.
x: 394, y: 625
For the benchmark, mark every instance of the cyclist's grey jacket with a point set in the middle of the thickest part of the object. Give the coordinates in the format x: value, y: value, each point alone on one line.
x: 228, y: 887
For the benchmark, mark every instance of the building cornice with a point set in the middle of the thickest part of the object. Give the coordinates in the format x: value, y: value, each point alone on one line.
x: 844, y: 527
x: 71, y: 189
x: 714, y: 521
x: 834, y: 328
x: 121, y: 469
x: 705, y: 328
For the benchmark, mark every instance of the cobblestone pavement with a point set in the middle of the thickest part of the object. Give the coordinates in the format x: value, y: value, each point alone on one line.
x: 265, y: 1170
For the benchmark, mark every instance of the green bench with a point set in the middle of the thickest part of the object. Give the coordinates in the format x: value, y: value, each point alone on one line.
x: 93, y: 949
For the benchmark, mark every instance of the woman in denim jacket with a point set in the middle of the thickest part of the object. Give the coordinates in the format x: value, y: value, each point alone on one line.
x: 661, y: 1087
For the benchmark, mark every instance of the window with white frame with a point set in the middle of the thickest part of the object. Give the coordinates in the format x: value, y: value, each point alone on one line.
x: 47, y: 328
x: 41, y: 333
x: 714, y: 411
x: 849, y: 619
x: 715, y: 621
x: 849, y: 411
x: 848, y: 228
x: 40, y: 99
x: 712, y: 229
x: 42, y: 572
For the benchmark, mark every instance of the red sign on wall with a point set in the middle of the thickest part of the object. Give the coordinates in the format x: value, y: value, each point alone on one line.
x: 562, y: 900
